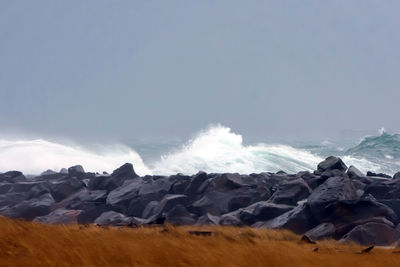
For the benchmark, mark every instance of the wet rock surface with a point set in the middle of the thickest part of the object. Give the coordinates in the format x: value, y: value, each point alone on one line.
x: 333, y: 202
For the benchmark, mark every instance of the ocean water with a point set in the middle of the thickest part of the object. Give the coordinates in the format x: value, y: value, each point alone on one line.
x: 216, y: 149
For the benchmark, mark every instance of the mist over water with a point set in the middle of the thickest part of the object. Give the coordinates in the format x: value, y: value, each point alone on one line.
x: 216, y: 149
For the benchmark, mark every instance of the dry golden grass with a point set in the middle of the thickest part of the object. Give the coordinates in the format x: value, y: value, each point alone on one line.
x: 30, y: 244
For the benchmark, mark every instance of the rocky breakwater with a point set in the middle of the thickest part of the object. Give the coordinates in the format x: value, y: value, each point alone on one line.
x: 333, y: 202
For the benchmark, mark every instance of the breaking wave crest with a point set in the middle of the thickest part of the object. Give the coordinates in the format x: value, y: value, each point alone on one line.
x: 220, y: 150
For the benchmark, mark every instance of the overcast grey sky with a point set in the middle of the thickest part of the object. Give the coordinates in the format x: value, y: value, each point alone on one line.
x: 129, y: 70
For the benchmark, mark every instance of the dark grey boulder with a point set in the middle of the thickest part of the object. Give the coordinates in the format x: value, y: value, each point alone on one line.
x: 262, y: 211
x: 48, y: 172
x: 194, y: 187
x: 60, y: 216
x: 394, y: 204
x: 231, y: 218
x: 30, y: 209
x: 382, y: 175
x: 179, y: 215
x: 373, y: 234
x: 91, y: 213
x: 150, y: 209
x: 228, y: 181
x: 204, y: 205
x: 335, y: 188
x: 64, y: 188
x: 291, y: 192
x: 321, y: 231
x: 83, y: 199
x: 170, y: 201
x: 332, y: 163
x: 116, y: 179
x: 5, y: 187
x: 12, y: 177
x: 38, y: 190
x: 353, y: 172
x: 120, y: 197
x: 298, y: 220
x: 344, y: 212
x: 208, y: 219
x: 113, y: 218
x: 76, y: 171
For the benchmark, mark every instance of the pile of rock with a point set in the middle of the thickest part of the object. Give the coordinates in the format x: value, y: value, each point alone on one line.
x: 332, y: 202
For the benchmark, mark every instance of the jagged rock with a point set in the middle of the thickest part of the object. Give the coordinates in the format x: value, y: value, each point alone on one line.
x: 208, y: 219
x: 63, y: 171
x: 291, y: 192
x: 76, y: 171
x: 332, y: 163
x: 203, y: 206
x: 120, y: 197
x: 228, y: 181
x: 113, y: 218
x: 377, y: 234
x: 230, y: 218
x: 30, y: 209
x: 170, y: 201
x: 262, y: 211
x: 5, y: 187
x: 297, y: 220
x: 382, y: 175
x: 396, y: 175
x: 322, y: 231
x: 150, y: 209
x: 335, y: 188
x: 48, y: 172
x: 194, y: 187
x: 353, y: 172
x: 62, y: 189
x: 116, y: 179
x: 179, y: 215
x: 83, y: 199
x: 60, y: 216
x: 12, y: 177
x: 91, y: 213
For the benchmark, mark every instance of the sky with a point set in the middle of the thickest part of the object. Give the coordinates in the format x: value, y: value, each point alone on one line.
x: 147, y: 70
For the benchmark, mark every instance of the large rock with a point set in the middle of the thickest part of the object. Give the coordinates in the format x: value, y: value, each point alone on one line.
x: 179, y: 215
x: 30, y: 209
x: 194, y: 187
x: 120, y: 197
x: 332, y: 163
x: 91, y: 213
x: 353, y: 172
x: 373, y: 234
x: 12, y: 177
x: 335, y: 188
x: 170, y: 201
x: 60, y: 216
x: 298, y: 220
x: 76, y: 171
x: 322, y: 231
x: 291, y: 192
x: 65, y: 188
x: 116, y: 179
x: 262, y: 211
x: 113, y: 218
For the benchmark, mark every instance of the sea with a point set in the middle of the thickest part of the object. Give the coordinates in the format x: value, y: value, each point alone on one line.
x: 216, y: 149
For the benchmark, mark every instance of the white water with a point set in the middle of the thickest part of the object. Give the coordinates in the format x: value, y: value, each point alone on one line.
x: 214, y: 150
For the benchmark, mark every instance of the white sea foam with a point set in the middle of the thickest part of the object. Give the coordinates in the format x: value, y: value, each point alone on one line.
x: 35, y: 156
x: 220, y: 150
x: 217, y: 149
